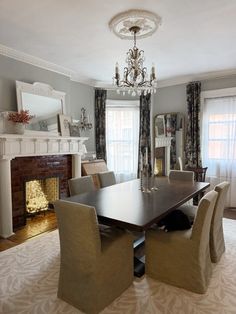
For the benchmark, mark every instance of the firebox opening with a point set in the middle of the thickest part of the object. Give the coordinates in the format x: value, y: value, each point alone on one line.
x: 40, y: 194
x: 159, y: 164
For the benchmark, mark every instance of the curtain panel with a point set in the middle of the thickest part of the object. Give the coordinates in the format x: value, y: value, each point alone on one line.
x: 100, y: 123
x: 193, y: 150
x: 219, y: 142
x: 144, y: 131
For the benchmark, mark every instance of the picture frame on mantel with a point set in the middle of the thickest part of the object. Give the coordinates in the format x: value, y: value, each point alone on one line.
x: 64, y: 124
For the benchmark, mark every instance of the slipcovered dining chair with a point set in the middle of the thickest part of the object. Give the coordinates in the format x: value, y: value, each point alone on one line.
x: 106, y: 178
x: 181, y: 175
x: 95, y: 267
x: 182, y: 258
x: 217, y: 243
x: 81, y: 185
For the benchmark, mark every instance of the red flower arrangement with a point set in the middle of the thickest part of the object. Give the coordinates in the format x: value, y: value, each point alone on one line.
x: 20, y: 117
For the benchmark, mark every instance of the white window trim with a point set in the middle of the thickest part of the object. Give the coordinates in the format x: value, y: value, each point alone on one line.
x: 218, y: 93
x: 122, y: 103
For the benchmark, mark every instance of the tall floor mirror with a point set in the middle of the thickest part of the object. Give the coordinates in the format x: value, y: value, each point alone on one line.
x: 169, y: 131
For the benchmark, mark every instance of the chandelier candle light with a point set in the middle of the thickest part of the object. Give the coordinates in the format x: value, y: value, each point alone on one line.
x: 133, y: 24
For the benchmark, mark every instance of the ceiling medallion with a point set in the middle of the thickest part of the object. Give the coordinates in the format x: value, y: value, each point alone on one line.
x: 135, y: 24
x: 148, y: 23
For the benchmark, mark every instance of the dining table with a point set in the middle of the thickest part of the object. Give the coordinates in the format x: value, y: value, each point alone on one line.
x: 127, y: 206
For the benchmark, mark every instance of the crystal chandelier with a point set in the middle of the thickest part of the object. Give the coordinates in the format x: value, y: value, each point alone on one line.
x: 135, y: 78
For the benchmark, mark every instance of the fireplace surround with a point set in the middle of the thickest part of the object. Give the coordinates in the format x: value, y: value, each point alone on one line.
x: 26, y: 154
x: 164, y: 143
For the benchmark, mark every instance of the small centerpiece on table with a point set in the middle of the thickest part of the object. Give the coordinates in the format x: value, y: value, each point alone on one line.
x: 19, y: 120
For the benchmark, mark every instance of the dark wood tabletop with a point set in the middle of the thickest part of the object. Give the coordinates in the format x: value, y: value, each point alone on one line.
x: 124, y: 204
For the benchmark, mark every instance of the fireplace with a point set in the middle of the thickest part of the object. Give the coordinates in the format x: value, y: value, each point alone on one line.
x: 26, y: 157
x: 40, y: 194
x: 162, y: 155
x: 42, y: 169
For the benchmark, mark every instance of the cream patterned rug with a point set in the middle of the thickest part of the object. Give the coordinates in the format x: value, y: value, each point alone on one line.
x: 29, y: 274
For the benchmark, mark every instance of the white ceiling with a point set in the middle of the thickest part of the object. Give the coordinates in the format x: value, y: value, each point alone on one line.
x: 195, y: 38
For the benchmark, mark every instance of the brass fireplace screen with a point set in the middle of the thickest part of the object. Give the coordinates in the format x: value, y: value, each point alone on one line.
x: 39, y: 194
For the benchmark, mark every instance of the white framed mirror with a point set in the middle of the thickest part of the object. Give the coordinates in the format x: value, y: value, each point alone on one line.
x: 169, y: 134
x: 44, y: 103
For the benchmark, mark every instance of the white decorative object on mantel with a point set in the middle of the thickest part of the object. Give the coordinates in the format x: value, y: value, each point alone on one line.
x: 13, y: 145
x: 165, y: 142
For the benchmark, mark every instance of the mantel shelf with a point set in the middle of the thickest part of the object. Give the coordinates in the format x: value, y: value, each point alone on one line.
x: 164, y: 141
x: 15, y: 145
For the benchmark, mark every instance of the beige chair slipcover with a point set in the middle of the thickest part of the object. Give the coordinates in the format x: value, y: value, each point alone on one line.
x: 106, y: 178
x: 181, y: 175
x: 182, y: 258
x: 217, y: 243
x: 95, y: 267
x: 81, y: 185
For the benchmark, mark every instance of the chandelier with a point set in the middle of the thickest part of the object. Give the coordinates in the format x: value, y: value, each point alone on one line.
x: 135, y: 79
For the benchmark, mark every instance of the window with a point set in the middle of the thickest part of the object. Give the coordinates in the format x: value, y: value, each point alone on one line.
x: 122, y: 138
x: 219, y: 137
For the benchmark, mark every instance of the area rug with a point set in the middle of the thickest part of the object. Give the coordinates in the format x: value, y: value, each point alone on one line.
x: 29, y: 276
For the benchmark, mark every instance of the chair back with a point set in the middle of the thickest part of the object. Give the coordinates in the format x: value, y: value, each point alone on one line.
x: 217, y: 245
x: 81, y: 185
x: 79, y: 235
x: 199, y: 173
x: 180, y: 160
x: 181, y: 175
x: 202, y: 222
x: 106, y: 178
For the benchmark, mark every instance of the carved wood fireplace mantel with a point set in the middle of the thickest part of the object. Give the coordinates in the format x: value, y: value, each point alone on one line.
x: 14, y: 145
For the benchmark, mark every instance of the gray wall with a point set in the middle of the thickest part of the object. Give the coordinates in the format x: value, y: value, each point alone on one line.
x: 83, y: 96
x: 167, y: 99
x: 77, y: 95
x: 173, y: 98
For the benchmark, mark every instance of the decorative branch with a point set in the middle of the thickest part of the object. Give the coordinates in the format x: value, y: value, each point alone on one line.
x: 20, y: 117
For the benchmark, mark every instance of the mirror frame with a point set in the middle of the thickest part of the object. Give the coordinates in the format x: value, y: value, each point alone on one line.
x: 163, y: 115
x: 40, y: 89
x: 179, y: 127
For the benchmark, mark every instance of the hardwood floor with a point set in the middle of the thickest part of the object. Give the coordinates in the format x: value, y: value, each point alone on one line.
x: 46, y: 223
x: 35, y: 226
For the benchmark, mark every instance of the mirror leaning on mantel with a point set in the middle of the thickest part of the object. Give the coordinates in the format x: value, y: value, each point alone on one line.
x: 44, y: 103
x: 169, y: 131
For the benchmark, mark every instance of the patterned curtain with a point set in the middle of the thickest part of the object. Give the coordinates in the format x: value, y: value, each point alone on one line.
x: 144, y: 131
x: 100, y: 122
x: 193, y: 151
